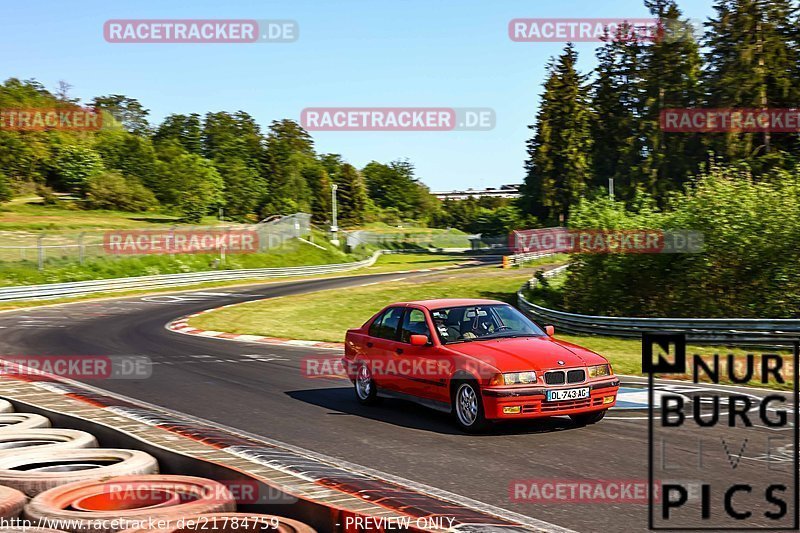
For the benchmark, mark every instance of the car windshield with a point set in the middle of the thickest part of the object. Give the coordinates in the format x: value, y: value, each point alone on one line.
x: 482, y: 322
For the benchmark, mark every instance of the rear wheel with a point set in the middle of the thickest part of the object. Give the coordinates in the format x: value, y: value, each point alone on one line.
x: 468, y: 407
x: 366, y: 391
x: 585, y: 419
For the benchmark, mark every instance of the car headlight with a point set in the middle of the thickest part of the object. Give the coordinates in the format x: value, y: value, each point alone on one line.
x: 515, y: 378
x: 598, y: 371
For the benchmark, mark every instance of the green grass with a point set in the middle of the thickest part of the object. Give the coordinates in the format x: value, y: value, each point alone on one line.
x: 325, y: 315
x: 293, y: 253
x: 414, y: 261
x: 386, y: 263
x: 25, y: 214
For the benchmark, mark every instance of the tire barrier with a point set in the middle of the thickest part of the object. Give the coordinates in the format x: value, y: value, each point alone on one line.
x: 22, y: 421
x: 6, y: 407
x: 44, y: 440
x: 231, y: 523
x: 92, y: 506
x: 11, y: 502
x: 34, y: 472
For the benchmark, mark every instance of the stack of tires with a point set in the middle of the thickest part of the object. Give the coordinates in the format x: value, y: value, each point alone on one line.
x: 59, y: 480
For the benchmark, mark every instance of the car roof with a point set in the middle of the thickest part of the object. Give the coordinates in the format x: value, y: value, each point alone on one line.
x: 451, y: 302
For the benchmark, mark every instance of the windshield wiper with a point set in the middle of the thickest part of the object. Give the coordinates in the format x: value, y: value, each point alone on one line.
x: 508, y: 335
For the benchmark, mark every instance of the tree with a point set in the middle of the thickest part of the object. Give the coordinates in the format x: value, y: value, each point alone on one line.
x: 245, y: 189
x: 617, y: 110
x: 671, y: 76
x: 752, y: 62
x: 72, y: 166
x: 233, y: 135
x: 558, y: 166
x: 289, y: 148
x: 395, y: 186
x: 130, y: 154
x: 111, y: 190
x: 127, y: 111
x: 190, y: 184
x: 186, y: 129
x: 351, y: 195
x: 319, y: 185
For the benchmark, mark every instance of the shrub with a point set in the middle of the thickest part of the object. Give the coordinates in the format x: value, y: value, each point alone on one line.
x: 111, y: 190
x: 749, y: 267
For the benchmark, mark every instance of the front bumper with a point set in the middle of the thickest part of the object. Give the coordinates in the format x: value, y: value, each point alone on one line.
x: 531, y: 403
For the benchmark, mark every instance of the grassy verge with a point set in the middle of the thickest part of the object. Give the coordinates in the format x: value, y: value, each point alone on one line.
x: 325, y: 315
x: 293, y: 253
x: 386, y: 263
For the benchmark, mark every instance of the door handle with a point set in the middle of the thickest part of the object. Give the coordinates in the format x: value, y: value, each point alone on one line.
x: 399, y: 351
x: 370, y: 345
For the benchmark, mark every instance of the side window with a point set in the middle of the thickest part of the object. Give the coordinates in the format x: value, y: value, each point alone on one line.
x: 414, y: 324
x: 386, y: 325
x: 375, y: 327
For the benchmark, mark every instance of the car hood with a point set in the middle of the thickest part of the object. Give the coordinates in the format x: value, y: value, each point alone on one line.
x: 527, y: 353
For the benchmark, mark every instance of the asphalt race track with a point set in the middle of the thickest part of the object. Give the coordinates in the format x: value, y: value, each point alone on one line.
x: 261, y: 389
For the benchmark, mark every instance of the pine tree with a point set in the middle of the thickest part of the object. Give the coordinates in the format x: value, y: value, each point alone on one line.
x: 671, y: 77
x: 351, y: 195
x: 558, y: 166
x: 752, y: 62
x: 617, y: 110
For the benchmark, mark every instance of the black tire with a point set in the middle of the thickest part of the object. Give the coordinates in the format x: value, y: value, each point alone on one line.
x: 364, y: 386
x: 468, y: 407
x: 585, y: 419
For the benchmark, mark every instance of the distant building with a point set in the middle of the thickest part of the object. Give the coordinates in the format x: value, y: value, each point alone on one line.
x: 505, y: 191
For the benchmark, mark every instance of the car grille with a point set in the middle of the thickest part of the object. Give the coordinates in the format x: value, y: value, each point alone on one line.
x: 560, y: 377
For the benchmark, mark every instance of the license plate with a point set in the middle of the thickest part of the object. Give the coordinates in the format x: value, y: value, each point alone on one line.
x: 567, y: 394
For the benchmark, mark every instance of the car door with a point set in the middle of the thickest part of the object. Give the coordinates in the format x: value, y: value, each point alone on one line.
x: 418, y: 364
x: 381, y: 345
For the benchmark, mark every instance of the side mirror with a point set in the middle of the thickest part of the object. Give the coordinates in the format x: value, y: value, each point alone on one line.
x: 550, y: 330
x: 418, y: 340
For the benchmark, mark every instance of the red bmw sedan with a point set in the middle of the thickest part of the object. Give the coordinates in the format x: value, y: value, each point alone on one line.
x: 481, y: 360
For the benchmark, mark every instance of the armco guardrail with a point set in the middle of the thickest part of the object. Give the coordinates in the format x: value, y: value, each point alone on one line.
x: 698, y: 330
x: 79, y: 288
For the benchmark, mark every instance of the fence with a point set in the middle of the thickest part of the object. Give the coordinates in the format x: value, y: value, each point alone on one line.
x: 698, y: 330
x: 43, y: 246
x: 79, y: 288
x: 444, y: 239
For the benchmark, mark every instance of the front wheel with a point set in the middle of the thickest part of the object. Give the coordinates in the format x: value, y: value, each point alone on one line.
x: 468, y: 407
x: 585, y: 419
x: 366, y: 391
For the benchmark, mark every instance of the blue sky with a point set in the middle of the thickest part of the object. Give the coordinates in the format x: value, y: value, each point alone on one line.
x: 354, y: 53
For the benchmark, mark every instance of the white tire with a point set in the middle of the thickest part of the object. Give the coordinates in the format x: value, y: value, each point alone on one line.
x: 6, y: 407
x: 33, y: 472
x: 12, y: 502
x: 20, y: 421
x: 44, y: 440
